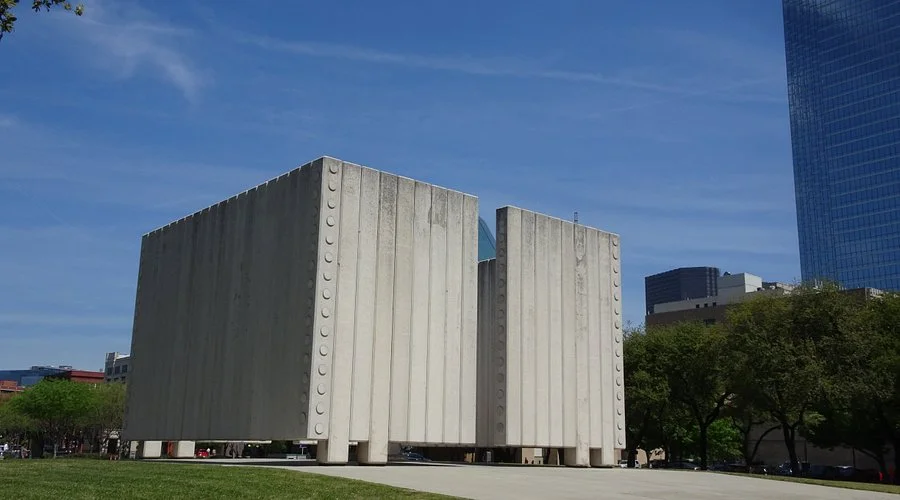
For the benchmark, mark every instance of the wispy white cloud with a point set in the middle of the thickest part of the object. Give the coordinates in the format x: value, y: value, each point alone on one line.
x: 507, y: 67
x: 125, y: 39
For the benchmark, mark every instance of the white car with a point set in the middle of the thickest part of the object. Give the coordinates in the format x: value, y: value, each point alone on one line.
x: 624, y: 464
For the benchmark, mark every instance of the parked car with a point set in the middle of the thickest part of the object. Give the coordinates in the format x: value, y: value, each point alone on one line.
x: 624, y: 464
x: 201, y: 454
x: 823, y: 472
x: 411, y: 456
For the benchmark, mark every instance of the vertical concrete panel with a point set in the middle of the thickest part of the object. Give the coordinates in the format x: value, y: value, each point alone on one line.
x: 557, y: 361
x: 419, y: 333
x: 528, y: 330
x: 437, y: 318
x: 178, y: 322
x: 366, y: 274
x: 328, y: 180
x: 229, y: 425
x: 453, y: 321
x: 299, y: 249
x: 402, y: 310
x: 616, y: 362
x: 542, y: 331
x: 469, y: 320
x: 513, y: 318
x: 384, y: 323
x: 345, y: 316
x: 582, y: 356
x: 217, y: 316
x: 242, y: 339
x: 605, y: 334
x: 570, y: 372
x: 199, y: 290
x: 258, y: 353
x: 594, y: 298
x: 489, y: 357
x: 143, y: 309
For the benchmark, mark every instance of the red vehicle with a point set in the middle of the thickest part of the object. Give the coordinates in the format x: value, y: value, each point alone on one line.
x: 202, y: 454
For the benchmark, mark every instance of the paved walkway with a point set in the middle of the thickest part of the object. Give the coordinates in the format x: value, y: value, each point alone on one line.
x: 543, y: 483
x: 486, y: 482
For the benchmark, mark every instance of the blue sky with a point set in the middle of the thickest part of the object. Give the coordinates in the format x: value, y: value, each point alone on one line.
x: 665, y: 122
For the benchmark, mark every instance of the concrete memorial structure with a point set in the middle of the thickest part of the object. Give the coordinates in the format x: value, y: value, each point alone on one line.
x: 550, y: 340
x: 341, y: 304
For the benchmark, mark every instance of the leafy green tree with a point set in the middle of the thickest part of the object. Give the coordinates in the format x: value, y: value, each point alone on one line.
x: 746, y: 419
x: 787, y: 349
x: 107, y: 412
x: 8, y: 17
x: 646, y: 391
x: 14, y: 426
x: 56, y: 408
x: 696, y: 360
x: 724, y: 440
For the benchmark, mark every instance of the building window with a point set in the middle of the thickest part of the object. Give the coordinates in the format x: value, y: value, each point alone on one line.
x: 117, y: 370
x: 697, y: 306
x: 109, y: 370
x: 714, y: 304
x: 124, y: 368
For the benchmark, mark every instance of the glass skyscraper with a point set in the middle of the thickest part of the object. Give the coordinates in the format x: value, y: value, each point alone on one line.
x: 843, y: 67
x: 487, y: 245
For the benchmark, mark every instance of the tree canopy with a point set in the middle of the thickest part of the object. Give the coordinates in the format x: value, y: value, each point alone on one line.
x: 8, y: 16
x: 819, y: 363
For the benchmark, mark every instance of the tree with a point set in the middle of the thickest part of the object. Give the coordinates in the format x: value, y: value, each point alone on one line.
x: 107, y: 411
x: 56, y: 408
x: 14, y: 426
x: 745, y: 418
x: 783, y: 365
x: 646, y: 391
x: 695, y: 359
x: 724, y: 440
x: 8, y: 18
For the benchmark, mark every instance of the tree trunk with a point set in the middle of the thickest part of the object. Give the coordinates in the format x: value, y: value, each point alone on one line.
x: 704, y: 447
x: 790, y: 442
x: 759, y: 442
x: 896, y: 477
x: 632, y: 457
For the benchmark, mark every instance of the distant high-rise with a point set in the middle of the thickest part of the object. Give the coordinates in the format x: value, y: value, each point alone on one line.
x: 843, y: 67
x: 487, y: 245
x: 680, y: 284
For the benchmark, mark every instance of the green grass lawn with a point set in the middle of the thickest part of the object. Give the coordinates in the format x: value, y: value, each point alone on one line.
x: 92, y: 479
x: 883, y: 488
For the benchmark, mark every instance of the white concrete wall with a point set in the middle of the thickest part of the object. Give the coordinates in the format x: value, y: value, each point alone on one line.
x: 222, y: 328
x: 551, y: 359
x: 334, y: 303
x: 400, y: 364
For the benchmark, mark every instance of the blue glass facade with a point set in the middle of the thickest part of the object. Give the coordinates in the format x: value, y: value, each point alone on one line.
x: 843, y: 66
x: 487, y: 245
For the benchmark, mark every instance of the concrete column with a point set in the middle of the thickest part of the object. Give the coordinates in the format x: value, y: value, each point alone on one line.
x: 369, y: 453
x: 599, y: 458
x: 331, y: 452
x: 152, y: 449
x: 575, y: 457
x: 184, y: 449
